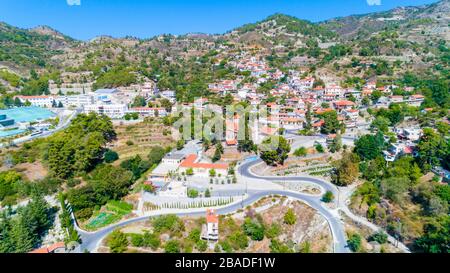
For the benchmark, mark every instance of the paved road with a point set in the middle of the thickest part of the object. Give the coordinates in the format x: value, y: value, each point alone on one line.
x: 61, y: 126
x: 91, y: 240
x: 340, y: 245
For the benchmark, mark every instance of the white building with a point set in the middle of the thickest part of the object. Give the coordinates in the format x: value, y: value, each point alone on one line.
x: 211, y: 229
x: 39, y: 101
x: 114, y: 111
x: 149, y: 111
x: 75, y: 100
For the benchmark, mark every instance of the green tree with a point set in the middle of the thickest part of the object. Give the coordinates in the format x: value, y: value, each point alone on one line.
x: 354, y: 242
x: 156, y: 154
x: 369, y: 146
x: 336, y: 144
x: 432, y: 148
x: 332, y: 124
x: 346, y: 170
x: 301, y: 152
x: 436, y: 237
x: 379, y: 237
x: 381, y: 123
x: 192, y: 193
x: 395, y: 188
x: 207, y: 193
x: 275, y: 150
x: 328, y: 197
x: 253, y: 229
x: 289, y: 217
x: 172, y: 246
x: 117, y: 242
x: 111, y: 156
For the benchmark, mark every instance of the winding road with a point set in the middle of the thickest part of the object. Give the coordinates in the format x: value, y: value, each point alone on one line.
x: 91, y: 240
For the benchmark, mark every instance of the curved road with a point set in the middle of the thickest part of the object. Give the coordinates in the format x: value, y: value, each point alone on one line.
x: 91, y: 240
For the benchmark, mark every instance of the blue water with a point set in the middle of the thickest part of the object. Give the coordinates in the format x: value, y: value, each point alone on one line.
x: 24, y: 114
x: 10, y: 133
x: 28, y: 114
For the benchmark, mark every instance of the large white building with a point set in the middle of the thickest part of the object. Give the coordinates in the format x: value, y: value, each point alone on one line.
x: 39, y: 101
x: 114, y: 111
x: 75, y: 100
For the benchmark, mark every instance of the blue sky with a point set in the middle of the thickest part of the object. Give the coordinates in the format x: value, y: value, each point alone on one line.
x: 147, y: 18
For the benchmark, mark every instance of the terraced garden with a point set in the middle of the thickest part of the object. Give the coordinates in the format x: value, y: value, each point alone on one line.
x: 112, y: 212
x: 137, y: 139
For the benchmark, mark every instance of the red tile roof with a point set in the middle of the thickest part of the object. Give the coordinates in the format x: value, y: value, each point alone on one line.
x: 189, y: 162
x: 344, y: 103
x: 49, y: 249
x: 211, y: 216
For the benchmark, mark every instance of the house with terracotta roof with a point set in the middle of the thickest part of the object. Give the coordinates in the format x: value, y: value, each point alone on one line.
x: 343, y: 105
x: 39, y: 101
x: 192, y: 161
x: 351, y: 114
x: 210, y: 231
x: 59, y: 247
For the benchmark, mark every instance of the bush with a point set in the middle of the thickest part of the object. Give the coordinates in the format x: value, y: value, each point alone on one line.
x: 117, y: 242
x: 289, y: 217
x: 168, y: 223
x: 301, y: 152
x: 172, y: 246
x: 192, y: 193
x: 328, y: 197
x: 226, y: 246
x: 111, y: 156
x: 379, y: 237
x: 354, y: 242
x: 137, y: 240
x: 238, y: 240
x: 253, y: 229
x: 202, y: 246
x: 278, y: 247
x: 151, y: 240
x: 190, y: 172
x: 273, y: 231
x: 319, y: 148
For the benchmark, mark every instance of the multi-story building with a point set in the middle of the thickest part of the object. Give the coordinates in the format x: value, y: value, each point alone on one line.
x: 149, y: 111
x: 114, y: 111
x: 39, y: 101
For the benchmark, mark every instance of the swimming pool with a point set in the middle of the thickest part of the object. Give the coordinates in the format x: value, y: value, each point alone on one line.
x: 28, y: 114
x: 11, y: 133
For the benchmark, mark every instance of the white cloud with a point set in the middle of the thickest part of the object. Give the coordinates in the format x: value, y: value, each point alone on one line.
x: 74, y: 2
x: 373, y: 2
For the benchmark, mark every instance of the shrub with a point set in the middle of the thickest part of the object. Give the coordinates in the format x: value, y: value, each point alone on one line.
x: 151, y: 240
x: 379, y: 237
x: 202, y: 246
x: 253, y: 229
x: 354, y: 242
x: 328, y: 197
x: 117, y: 242
x: 192, y: 193
x: 319, y: 148
x: 289, y: 217
x: 273, y: 231
x: 137, y: 240
x: 172, y: 246
x: 111, y: 156
x: 301, y: 152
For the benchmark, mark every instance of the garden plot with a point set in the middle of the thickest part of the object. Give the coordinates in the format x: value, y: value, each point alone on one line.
x: 111, y: 213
